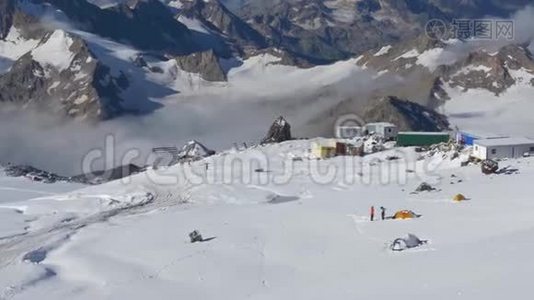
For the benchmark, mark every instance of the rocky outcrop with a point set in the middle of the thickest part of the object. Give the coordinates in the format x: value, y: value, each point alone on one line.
x: 286, y: 57
x: 204, y: 63
x: 24, y: 83
x: 215, y: 16
x: 33, y: 174
x: 280, y: 131
x: 327, y: 31
x: 147, y: 24
x: 405, y: 114
x: 7, y: 8
x: 11, y: 16
x: 82, y: 87
x: 331, y: 30
x: 431, y: 68
x: 489, y: 71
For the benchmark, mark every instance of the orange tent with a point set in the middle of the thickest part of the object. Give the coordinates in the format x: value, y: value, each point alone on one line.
x: 405, y: 214
x: 459, y: 198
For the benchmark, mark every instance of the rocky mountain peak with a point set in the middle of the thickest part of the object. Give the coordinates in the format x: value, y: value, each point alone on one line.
x: 496, y: 72
x: 204, y: 63
x: 148, y: 25
x: 280, y: 131
x: 7, y: 8
x: 62, y: 75
x: 407, y: 115
x: 217, y: 18
x: 433, y: 68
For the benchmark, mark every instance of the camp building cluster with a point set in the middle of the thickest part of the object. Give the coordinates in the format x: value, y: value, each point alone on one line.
x: 359, y: 140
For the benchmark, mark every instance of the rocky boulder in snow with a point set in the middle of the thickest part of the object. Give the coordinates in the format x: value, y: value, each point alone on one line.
x: 424, y: 187
x: 280, y: 131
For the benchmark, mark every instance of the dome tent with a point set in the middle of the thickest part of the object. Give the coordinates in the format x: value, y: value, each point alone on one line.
x: 405, y: 214
x: 459, y: 198
x: 411, y: 241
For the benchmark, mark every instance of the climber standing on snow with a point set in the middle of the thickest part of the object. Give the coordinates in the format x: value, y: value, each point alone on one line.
x: 383, y: 212
x: 372, y: 213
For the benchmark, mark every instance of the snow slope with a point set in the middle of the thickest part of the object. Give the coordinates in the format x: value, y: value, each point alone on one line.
x: 16, y: 190
x: 12, y: 48
x: 301, y: 236
x: 55, y: 51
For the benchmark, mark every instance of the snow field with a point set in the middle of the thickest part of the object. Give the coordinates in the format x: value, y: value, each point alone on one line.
x: 317, y: 244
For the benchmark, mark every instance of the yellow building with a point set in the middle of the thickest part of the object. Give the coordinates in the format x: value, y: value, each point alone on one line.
x: 323, y: 150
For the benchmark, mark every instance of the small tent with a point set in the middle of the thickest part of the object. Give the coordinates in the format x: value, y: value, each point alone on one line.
x: 459, y: 198
x: 404, y: 215
x: 411, y: 241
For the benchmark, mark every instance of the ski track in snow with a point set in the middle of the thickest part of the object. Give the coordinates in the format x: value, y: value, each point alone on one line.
x: 48, y: 239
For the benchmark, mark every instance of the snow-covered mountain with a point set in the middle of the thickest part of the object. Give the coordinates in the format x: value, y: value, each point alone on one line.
x: 60, y: 73
x: 477, y: 77
x: 210, y: 67
x: 335, y: 29
x: 461, y: 65
x: 105, y: 84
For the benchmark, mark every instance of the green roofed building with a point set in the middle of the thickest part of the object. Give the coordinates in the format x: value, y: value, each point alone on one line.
x: 408, y: 139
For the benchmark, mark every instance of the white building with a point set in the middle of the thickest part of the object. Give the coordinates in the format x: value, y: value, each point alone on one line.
x: 502, y: 148
x: 349, y: 132
x: 383, y: 129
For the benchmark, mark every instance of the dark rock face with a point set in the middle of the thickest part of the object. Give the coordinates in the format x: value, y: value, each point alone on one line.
x: 324, y: 31
x: 425, y: 187
x: 280, y: 131
x: 219, y: 19
x: 406, y: 115
x: 204, y: 63
x: 24, y: 82
x: 7, y: 8
x: 148, y: 25
x: 84, y: 89
x: 477, y: 69
x: 489, y: 72
x: 317, y: 32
